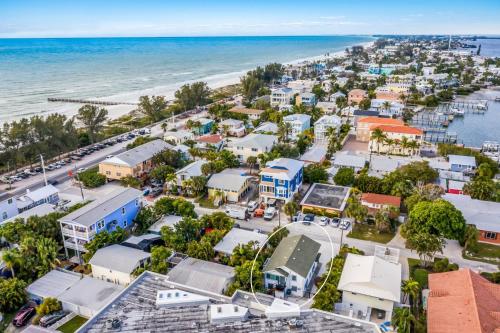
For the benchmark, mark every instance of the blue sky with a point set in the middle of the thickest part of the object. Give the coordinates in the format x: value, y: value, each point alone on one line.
x: 78, y: 18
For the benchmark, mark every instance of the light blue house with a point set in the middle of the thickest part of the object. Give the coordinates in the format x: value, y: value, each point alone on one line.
x: 298, y: 124
x: 8, y: 207
x: 281, y: 179
x: 460, y: 163
x: 205, y: 126
x: 117, y: 209
x: 307, y: 99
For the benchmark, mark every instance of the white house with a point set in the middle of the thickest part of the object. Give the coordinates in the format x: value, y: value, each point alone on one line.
x: 236, y: 237
x: 47, y: 194
x: 116, y: 263
x: 189, y: 171
x: 179, y: 136
x: 234, y: 127
x: 252, y: 145
x: 355, y: 162
x: 281, y: 96
x: 327, y: 107
x: 292, y: 266
x: 333, y: 97
x: 322, y: 125
x: 266, y: 127
x: 298, y: 124
x: 370, y: 286
x: 8, y: 207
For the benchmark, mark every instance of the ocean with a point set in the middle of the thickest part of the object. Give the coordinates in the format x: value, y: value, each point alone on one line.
x: 122, y: 69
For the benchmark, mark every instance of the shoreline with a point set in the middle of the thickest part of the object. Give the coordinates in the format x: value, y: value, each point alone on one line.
x: 214, y: 82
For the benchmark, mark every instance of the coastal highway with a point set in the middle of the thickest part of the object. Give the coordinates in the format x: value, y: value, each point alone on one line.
x: 61, y: 175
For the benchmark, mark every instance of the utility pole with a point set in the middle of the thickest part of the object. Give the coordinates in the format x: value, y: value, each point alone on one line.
x: 10, y: 180
x: 79, y: 183
x: 43, y: 169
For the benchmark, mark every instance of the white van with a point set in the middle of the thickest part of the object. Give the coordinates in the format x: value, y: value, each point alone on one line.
x: 269, y: 213
x: 237, y: 212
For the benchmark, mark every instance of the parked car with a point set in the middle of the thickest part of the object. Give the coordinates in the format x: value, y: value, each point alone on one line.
x: 252, y: 206
x: 345, y: 224
x: 80, y: 170
x: 324, y: 221
x: 109, y: 156
x: 156, y: 191
x: 307, y: 219
x: 269, y: 213
x: 24, y: 314
x: 258, y: 212
x: 335, y: 222
x: 52, y: 318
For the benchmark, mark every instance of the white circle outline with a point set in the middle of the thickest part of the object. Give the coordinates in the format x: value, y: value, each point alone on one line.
x: 267, y: 240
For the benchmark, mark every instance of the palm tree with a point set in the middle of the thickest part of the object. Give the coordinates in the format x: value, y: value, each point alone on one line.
x: 251, y: 161
x: 11, y: 259
x: 225, y: 130
x: 170, y: 180
x: 290, y: 209
x: 410, y: 288
x: 413, y: 146
x: 284, y: 130
x: 47, y: 255
x: 386, y: 105
x: 404, y: 144
x: 378, y: 136
x: 403, y: 320
x: 389, y: 142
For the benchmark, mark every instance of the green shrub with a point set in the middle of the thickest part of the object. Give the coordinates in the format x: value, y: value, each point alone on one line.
x: 92, y: 178
x: 421, y: 276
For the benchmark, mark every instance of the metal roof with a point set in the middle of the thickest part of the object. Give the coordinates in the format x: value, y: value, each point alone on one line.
x: 227, y: 182
x: 98, y: 209
x: 462, y: 160
x: 259, y: 141
x: 485, y: 215
x: 139, y: 154
x: 204, y: 275
x: 297, y: 253
x: 119, y: 258
x: 371, y: 276
x: 237, y: 236
x: 53, y: 284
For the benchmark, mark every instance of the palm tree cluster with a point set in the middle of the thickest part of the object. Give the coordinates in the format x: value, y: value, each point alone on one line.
x: 403, y: 145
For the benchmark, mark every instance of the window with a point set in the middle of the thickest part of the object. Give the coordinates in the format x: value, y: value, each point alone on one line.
x: 254, y: 149
x: 108, y: 172
x: 119, y: 174
x: 490, y: 235
x: 4, y: 215
x: 125, y: 223
x: 281, y: 182
x: 123, y: 210
x: 9, y: 201
x: 294, y: 277
x: 136, y: 202
x: 100, y: 224
x: 294, y: 288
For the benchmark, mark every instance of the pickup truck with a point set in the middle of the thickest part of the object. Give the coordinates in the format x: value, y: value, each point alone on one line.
x: 237, y: 212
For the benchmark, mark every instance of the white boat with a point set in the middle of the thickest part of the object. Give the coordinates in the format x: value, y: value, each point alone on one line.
x: 481, y: 106
x: 457, y: 112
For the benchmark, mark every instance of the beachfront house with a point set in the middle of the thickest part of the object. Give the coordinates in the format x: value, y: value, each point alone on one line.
x: 292, y: 267
x: 370, y: 286
x: 134, y: 162
x: 232, y: 127
x: 281, y: 96
x: 252, y: 145
x: 253, y: 114
x: 281, y: 179
x: 306, y: 98
x: 116, y: 209
x: 298, y: 124
x: 322, y: 126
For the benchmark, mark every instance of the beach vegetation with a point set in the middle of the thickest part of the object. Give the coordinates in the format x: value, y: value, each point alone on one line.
x: 193, y: 95
x: 93, y: 119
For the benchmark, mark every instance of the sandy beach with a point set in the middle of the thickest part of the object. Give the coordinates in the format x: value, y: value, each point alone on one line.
x: 214, y: 82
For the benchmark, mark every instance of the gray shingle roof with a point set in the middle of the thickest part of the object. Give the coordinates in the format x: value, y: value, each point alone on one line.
x: 297, y: 253
x: 118, y: 258
x: 227, y: 182
x: 139, y: 154
x: 98, y: 209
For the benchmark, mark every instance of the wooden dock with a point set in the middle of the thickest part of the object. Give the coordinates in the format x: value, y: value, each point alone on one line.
x: 86, y: 101
x: 469, y: 106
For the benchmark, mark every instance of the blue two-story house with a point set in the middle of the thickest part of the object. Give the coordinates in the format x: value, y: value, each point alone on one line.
x: 117, y: 209
x: 205, y: 126
x: 281, y: 179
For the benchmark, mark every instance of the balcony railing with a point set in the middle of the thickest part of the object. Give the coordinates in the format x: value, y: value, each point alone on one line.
x: 79, y: 234
x: 71, y: 245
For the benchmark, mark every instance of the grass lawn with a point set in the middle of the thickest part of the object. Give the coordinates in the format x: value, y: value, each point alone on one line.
x: 205, y: 202
x: 487, y: 253
x: 7, y: 319
x: 72, y: 325
x: 369, y: 233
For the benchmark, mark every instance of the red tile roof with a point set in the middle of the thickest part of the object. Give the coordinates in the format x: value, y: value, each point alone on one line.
x: 462, y: 301
x: 398, y: 129
x: 381, y: 121
x: 381, y: 199
x: 211, y: 138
